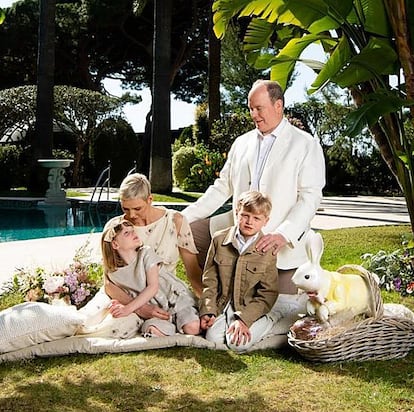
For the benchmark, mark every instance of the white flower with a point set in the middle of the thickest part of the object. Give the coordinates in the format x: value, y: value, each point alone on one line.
x: 53, y: 283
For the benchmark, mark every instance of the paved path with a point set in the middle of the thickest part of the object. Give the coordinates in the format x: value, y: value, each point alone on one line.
x: 356, y: 211
x: 335, y: 212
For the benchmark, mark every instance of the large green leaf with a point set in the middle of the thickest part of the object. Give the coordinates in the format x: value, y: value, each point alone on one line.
x: 320, y: 15
x: 335, y: 63
x: 2, y: 16
x: 266, y: 9
x: 372, y: 15
x: 284, y: 63
x: 223, y: 12
x: 376, y: 105
x: 374, y: 60
x: 282, y: 72
x: 258, y: 35
x: 270, y: 10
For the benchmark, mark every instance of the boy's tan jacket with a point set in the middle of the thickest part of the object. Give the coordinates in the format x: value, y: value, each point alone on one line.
x: 249, y: 281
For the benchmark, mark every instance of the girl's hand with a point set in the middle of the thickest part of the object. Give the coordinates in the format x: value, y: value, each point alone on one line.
x: 239, y: 333
x: 207, y: 321
x: 118, y: 310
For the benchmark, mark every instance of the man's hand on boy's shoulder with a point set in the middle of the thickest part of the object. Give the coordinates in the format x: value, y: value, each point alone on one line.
x: 271, y: 241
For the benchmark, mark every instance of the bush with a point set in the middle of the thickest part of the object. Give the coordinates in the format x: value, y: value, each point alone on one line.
x: 395, y: 269
x: 225, y: 131
x: 183, y: 160
x: 11, y: 173
x: 195, y: 168
x: 115, y: 141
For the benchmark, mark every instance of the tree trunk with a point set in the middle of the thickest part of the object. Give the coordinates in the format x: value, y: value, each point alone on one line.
x: 214, y: 75
x: 43, y: 140
x: 160, y: 174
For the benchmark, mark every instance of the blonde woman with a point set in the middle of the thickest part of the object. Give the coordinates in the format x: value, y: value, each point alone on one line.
x: 165, y: 230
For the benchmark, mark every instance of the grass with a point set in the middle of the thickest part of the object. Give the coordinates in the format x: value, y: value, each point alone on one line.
x: 73, y: 192
x: 190, y: 379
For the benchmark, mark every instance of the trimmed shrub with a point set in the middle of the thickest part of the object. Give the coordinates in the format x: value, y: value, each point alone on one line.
x: 11, y: 173
x: 195, y: 168
x: 183, y: 160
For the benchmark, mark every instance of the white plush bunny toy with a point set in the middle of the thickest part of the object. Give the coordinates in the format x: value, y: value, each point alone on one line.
x: 329, y: 293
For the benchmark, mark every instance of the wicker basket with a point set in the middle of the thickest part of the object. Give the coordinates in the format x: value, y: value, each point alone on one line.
x: 377, y: 337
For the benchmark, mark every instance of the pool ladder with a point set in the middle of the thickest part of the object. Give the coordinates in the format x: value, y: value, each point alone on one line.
x: 104, y: 183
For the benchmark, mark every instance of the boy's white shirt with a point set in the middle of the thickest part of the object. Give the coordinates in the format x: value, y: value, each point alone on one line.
x: 242, y: 243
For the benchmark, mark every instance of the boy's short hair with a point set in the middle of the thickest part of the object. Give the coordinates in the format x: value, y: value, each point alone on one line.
x: 255, y: 202
x: 135, y: 186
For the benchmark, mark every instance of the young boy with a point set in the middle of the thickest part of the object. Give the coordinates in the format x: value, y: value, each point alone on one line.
x: 240, y: 284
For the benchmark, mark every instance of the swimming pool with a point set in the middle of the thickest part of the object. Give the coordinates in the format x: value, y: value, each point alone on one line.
x: 34, y: 223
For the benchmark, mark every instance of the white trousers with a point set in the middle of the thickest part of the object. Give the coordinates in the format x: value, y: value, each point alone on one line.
x: 218, y: 332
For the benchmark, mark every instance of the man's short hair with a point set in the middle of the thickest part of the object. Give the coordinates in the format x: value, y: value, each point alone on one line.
x: 274, y: 89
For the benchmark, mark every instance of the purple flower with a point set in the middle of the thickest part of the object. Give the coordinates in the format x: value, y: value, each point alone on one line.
x: 397, y: 283
x: 79, y: 295
x: 71, y: 280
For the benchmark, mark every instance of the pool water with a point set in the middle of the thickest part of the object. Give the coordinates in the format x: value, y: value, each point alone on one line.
x: 24, y: 224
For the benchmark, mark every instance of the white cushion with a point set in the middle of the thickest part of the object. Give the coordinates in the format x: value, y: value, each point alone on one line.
x: 35, y: 322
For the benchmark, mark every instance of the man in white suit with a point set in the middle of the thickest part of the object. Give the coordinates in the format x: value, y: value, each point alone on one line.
x: 279, y: 160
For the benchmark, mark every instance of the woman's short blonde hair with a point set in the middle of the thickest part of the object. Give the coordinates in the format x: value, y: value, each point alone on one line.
x: 135, y: 186
x: 255, y: 202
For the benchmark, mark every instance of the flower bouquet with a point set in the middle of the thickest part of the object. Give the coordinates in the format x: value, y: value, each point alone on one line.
x: 74, y: 285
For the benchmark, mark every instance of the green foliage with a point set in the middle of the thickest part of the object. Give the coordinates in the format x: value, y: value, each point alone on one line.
x: 84, y: 29
x: 78, y: 112
x: 196, y: 167
x: 237, y: 75
x: 183, y: 160
x: 11, y: 170
x: 200, y: 128
x: 18, y: 108
x: 184, y: 139
x: 346, y: 246
x: 225, y: 131
x: 346, y: 158
x: 116, y: 141
x: 395, y: 269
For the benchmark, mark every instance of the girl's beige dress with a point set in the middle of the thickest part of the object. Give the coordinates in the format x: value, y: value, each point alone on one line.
x: 173, y: 294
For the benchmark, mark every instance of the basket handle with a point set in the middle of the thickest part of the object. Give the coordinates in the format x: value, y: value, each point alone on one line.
x: 377, y: 306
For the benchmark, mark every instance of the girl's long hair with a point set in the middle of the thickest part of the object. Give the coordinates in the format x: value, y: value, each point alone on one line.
x: 111, y: 258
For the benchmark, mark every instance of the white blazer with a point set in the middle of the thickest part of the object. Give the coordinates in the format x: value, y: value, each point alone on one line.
x: 293, y: 178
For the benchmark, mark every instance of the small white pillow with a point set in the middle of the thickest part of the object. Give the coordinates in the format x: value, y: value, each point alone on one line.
x: 30, y: 323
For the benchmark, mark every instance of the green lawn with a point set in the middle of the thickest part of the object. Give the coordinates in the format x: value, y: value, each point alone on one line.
x: 187, y: 379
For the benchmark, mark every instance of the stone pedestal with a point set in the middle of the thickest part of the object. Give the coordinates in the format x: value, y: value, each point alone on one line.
x: 55, y: 195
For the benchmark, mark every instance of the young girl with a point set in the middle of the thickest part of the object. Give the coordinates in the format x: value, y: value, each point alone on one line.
x: 139, y: 272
